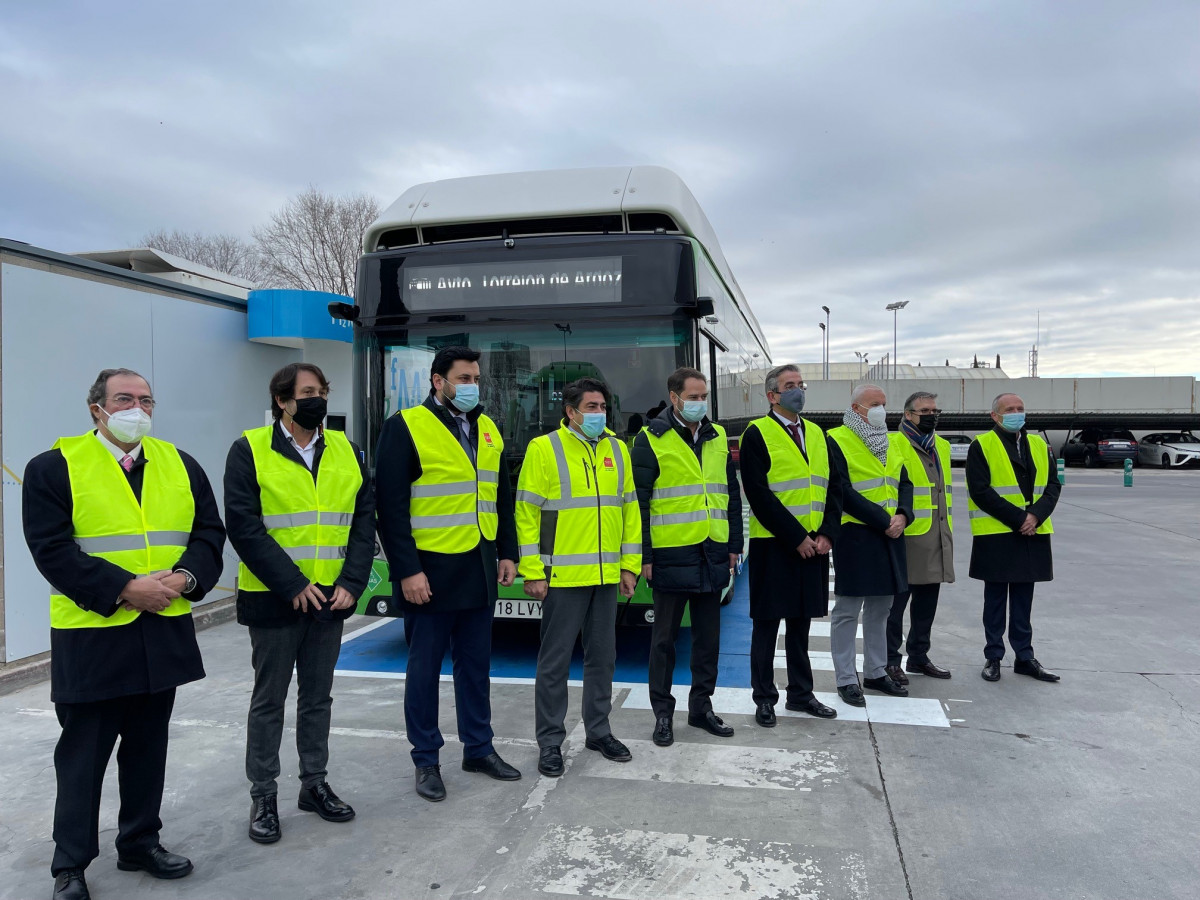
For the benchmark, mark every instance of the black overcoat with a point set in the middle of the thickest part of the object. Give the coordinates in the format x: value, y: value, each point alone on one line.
x: 1012, y: 556
x: 782, y: 583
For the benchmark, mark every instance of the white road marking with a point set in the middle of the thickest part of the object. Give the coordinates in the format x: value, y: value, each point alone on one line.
x: 648, y: 865
x: 821, y: 660
x: 359, y: 632
x: 536, y: 798
x: 819, y: 628
x: 767, y: 768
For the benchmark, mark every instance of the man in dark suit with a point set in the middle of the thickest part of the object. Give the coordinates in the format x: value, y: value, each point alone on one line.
x: 795, y: 508
x: 300, y: 513
x: 1013, y: 487
x: 126, y: 530
x: 446, y: 521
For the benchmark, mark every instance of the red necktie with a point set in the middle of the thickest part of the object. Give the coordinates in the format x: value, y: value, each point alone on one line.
x: 126, y: 462
x: 794, y: 428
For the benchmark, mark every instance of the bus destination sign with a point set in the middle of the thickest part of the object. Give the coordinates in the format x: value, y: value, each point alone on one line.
x: 549, y: 282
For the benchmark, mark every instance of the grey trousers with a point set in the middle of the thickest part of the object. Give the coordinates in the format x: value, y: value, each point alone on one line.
x: 843, y: 624
x: 311, y: 647
x: 566, y: 612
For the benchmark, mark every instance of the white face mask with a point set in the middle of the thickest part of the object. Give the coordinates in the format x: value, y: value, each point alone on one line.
x: 877, y: 417
x: 128, y: 425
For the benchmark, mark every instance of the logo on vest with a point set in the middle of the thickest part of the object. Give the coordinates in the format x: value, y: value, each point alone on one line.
x: 608, y: 463
x: 487, y: 436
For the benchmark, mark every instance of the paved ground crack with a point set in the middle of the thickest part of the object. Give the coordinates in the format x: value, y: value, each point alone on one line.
x: 1183, y: 710
x: 891, y: 816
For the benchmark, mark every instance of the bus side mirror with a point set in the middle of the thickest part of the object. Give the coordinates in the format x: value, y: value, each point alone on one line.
x: 345, y: 311
x: 704, y: 307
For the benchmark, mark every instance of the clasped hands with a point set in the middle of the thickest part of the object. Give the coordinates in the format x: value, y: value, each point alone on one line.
x: 818, y: 546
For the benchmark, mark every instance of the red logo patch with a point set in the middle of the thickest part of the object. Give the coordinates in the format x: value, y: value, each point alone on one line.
x: 608, y: 464
x: 487, y: 436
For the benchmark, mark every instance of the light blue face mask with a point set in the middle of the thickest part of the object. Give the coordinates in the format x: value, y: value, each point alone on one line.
x: 693, y: 410
x: 593, y: 424
x: 1012, y: 421
x: 466, y: 397
x: 792, y: 400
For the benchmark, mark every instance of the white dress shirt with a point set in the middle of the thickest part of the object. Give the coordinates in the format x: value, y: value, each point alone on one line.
x: 309, y: 453
x: 799, y: 431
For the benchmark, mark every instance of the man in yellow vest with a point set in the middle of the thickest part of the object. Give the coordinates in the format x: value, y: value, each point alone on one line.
x: 691, y: 508
x: 869, y: 563
x: 580, y: 533
x: 1012, y: 487
x: 301, y: 518
x: 928, y: 539
x: 126, y: 530
x: 446, y: 523
x: 795, y: 517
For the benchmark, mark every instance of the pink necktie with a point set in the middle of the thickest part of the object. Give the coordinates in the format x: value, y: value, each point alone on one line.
x: 126, y: 462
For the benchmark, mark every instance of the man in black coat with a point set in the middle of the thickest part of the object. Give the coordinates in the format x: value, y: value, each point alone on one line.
x: 1015, y: 552
x: 295, y: 614
x: 448, y: 598
x: 691, y: 575
x: 110, y: 680
x: 789, y: 562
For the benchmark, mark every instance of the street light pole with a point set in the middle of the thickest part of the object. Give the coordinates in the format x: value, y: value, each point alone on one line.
x: 895, y: 308
x: 824, y: 350
x: 826, y: 308
x: 862, y: 358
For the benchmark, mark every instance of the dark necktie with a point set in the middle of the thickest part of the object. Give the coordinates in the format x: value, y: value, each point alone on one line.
x: 464, y: 437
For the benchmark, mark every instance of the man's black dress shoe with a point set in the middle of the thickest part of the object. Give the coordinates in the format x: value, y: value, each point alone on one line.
x: 991, y: 670
x: 896, y: 674
x: 69, y: 884
x: 550, y: 761
x: 925, y: 668
x: 321, y: 799
x: 813, y: 707
x: 429, y: 783
x: 264, y: 819
x: 1033, y: 668
x: 610, y: 748
x: 664, y: 734
x: 159, y: 862
x: 885, y: 685
x: 852, y: 694
x: 492, y: 766
x: 764, y: 715
x: 711, y: 723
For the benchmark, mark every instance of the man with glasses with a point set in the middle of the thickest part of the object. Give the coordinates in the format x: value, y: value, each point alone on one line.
x: 301, y: 517
x: 928, y: 540
x: 126, y: 530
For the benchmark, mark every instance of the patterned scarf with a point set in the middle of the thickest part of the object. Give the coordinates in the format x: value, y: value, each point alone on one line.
x: 876, y: 439
x: 923, y: 441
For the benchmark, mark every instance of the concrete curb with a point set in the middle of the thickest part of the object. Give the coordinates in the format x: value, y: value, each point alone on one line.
x: 16, y: 675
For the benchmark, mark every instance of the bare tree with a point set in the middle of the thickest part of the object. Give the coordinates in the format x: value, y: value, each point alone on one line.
x: 224, y: 252
x: 314, y: 241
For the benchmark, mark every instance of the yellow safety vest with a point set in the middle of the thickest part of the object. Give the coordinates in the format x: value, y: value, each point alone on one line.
x: 453, y: 502
x: 577, y: 511
x: 924, y: 509
x: 310, y: 519
x: 876, y: 481
x: 800, y: 485
x: 109, y: 523
x: 1004, y: 482
x: 689, y: 502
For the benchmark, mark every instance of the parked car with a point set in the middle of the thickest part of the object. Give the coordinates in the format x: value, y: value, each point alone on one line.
x: 1099, y: 447
x: 959, y: 445
x: 1170, y: 448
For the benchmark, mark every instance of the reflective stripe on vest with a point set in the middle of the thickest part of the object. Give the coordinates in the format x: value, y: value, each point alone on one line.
x: 924, y: 509
x: 453, y: 502
x: 689, y: 502
x: 310, y: 519
x: 876, y: 481
x: 801, y: 485
x: 1004, y: 482
x: 109, y: 523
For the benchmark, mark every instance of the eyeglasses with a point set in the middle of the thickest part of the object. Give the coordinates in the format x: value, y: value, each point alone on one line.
x: 125, y: 401
x: 926, y: 412
x: 802, y: 385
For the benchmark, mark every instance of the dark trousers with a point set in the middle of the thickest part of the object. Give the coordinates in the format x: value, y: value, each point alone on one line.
x: 706, y: 648
x: 566, y: 614
x: 1017, y: 597
x: 467, y: 634
x: 920, y: 626
x: 763, y: 639
x: 89, y: 732
x: 311, y: 648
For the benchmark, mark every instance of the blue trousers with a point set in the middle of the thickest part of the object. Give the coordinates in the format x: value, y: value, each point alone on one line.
x: 467, y: 634
x: 1017, y: 597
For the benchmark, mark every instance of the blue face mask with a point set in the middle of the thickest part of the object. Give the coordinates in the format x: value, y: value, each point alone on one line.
x: 1012, y: 421
x: 693, y: 410
x: 792, y: 400
x: 466, y: 397
x: 593, y: 424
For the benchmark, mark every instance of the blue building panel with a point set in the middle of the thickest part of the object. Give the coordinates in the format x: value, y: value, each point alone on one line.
x: 288, y: 317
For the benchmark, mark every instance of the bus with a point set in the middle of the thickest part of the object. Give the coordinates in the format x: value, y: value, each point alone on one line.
x: 613, y: 273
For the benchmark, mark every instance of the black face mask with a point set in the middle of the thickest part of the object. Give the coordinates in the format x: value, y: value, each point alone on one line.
x: 927, y: 423
x: 310, y: 412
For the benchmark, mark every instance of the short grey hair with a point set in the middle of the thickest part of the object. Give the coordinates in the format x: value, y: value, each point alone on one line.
x: 772, y: 380
x: 999, y: 397
x: 99, y: 389
x: 857, y: 393
x: 915, y: 396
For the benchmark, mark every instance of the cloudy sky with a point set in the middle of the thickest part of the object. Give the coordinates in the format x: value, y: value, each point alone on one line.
x: 984, y: 160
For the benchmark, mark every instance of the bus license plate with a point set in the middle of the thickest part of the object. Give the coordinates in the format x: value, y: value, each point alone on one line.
x: 518, y: 609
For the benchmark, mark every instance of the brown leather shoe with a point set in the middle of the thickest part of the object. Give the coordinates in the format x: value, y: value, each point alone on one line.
x: 896, y: 674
